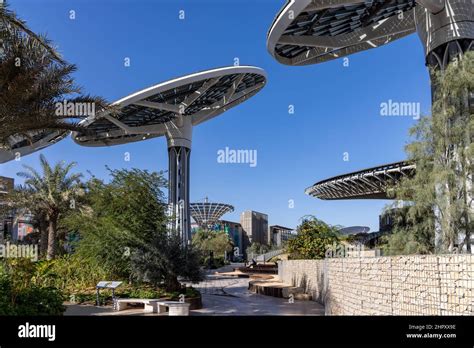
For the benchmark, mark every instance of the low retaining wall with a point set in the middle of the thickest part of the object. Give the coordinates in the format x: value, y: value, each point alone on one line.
x: 400, y: 285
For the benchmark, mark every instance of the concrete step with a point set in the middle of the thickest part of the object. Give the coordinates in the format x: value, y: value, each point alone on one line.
x: 278, y: 290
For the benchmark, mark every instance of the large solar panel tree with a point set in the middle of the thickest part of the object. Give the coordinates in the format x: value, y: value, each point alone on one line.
x: 315, y: 31
x: 172, y: 109
x: 206, y: 214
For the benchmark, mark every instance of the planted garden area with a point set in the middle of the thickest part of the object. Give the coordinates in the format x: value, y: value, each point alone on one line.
x: 90, y: 231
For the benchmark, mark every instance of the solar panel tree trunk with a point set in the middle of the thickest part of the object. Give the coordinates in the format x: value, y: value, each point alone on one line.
x: 179, y: 136
x: 446, y: 29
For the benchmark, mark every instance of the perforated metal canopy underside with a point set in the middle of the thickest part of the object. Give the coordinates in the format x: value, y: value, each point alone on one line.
x: 22, y: 145
x: 200, y: 96
x: 369, y: 183
x: 206, y: 214
x: 309, y: 32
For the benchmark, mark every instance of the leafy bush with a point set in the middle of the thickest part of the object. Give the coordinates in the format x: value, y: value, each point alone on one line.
x: 69, y: 273
x: 313, y: 239
x: 164, y: 260
x: 6, y: 304
x: 124, y: 231
x: 217, y: 242
x: 214, y: 262
x: 122, y: 216
x: 404, y: 242
x: 144, y: 291
x: 20, y: 295
x: 39, y: 301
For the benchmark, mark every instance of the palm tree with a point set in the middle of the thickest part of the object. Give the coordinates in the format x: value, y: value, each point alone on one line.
x: 52, y: 193
x: 32, y: 83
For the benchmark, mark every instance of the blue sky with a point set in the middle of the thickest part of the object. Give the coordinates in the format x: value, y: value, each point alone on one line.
x: 337, y: 108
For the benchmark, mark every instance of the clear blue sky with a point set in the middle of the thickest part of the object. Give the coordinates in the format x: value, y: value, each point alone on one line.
x: 337, y: 108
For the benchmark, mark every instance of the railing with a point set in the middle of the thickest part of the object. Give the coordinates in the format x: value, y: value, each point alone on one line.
x: 267, y: 256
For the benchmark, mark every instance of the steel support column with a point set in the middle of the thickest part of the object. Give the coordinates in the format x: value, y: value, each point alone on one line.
x: 447, y: 33
x: 179, y: 151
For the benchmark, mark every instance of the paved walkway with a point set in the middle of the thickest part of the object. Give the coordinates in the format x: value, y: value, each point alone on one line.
x: 224, y: 295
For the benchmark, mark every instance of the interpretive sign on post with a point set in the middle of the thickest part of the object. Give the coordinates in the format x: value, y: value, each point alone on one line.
x: 107, y: 285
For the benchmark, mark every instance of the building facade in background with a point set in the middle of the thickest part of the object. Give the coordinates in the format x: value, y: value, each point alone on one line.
x: 278, y: 235
x: 255, y: 225
x: 6, y: 218
x: 236, y: 234
x: 15, y: 224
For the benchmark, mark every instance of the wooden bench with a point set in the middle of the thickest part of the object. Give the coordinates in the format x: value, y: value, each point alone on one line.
x: 175, y: 307
x: 151, y: 305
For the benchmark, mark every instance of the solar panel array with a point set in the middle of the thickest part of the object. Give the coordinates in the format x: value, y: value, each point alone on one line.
x: 37, y: 137
x: 21, y: 145
x: 345, y: 25
x: 134, y: 115
x: 340, y: 20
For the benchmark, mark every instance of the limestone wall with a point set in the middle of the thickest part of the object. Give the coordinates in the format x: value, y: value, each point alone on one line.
x: 400, y: 285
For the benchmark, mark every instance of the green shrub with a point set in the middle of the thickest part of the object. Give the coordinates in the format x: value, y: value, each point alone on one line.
x: 39, y: 301
x: 165, y: 260
x: 21, y: 295
x: 68, y: 273
x: 144, y: 291
x: 189, y: 292
x: 313, y: 239
x: 6, y: 304
x: 214, y: 263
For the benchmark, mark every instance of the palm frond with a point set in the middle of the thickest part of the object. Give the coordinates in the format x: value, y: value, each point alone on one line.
x: 9, y: 18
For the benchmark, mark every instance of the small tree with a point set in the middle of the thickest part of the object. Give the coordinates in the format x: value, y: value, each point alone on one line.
x: 122, y: 227
x: 313, y: 239
x: 443, y: 150
x: 257, y: 249
x: 217, y: 242
x: 165, y: 260
x: 119, y: 217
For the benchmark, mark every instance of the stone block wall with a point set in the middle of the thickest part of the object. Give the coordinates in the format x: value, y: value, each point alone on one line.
x: 399, y: 285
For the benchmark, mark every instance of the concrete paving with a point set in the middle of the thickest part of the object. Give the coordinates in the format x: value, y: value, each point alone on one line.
x: 224, y: 295
x: 221, y: 295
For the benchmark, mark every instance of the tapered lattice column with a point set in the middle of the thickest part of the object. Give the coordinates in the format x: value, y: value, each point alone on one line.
x: 179, y: 159
x: 446, y: 30
x: 179, y: 135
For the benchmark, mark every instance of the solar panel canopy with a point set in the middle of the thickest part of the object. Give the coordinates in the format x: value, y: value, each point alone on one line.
x: 206, y: 214
x: 19, y: 146
x: 150, y: 112
x: 371, y: 183
x: 315, y: 31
